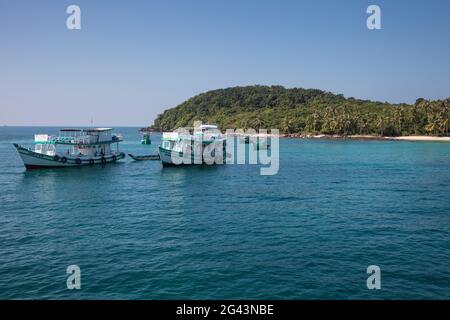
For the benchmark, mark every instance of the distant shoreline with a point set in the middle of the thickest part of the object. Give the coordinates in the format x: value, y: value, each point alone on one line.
x: 367, y: 137
x: 356, y: 137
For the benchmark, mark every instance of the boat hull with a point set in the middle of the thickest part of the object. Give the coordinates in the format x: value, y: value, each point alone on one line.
x: 34, y: 160
x: 142, y: 158
x: 166, y: 159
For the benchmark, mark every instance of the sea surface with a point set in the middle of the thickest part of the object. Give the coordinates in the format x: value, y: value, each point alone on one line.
x: 138, y: 231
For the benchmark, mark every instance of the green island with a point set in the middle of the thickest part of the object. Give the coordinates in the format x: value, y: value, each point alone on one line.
x: 297, y: 112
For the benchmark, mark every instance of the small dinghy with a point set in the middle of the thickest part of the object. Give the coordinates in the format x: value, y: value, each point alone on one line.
x: 146, y: 157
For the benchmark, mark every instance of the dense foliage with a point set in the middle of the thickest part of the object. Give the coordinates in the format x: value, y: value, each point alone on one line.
x: 307, y: 111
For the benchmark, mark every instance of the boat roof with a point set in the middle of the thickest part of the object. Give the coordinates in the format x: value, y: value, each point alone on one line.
x: 97, y: 129
x: 208, y: 126
x: 70, y: 129
x: 85, y: 130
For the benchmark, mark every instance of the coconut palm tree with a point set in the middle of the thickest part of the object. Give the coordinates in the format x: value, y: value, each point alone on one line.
x: 287, y: 125
x: 398, y: 119
x: 381, y: 125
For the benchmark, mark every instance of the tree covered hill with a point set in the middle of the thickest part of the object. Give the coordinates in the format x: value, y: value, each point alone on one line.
x: 299, y: 110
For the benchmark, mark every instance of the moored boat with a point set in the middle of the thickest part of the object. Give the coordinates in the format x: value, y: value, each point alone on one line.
x: 199, y: 146
x: 72, y: 148
x: 260, y: 141
x: 146, y: 139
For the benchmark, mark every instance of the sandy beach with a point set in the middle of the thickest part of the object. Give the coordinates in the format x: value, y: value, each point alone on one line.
x: 420, y: 138
x: 368, y: 137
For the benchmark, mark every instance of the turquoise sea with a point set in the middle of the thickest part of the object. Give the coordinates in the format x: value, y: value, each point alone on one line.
x: 138, y: 231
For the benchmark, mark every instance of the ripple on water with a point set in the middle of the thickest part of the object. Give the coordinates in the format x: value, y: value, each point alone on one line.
x: 142, y: 232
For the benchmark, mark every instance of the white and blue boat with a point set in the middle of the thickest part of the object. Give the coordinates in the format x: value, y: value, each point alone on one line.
x: 187, y: 147
x: 72, y: 148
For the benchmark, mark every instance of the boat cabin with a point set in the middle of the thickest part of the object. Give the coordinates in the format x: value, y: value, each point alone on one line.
x: 92, y: 142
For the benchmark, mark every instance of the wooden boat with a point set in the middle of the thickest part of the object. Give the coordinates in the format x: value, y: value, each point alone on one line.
x: 72, y: 148
x: 145, y: 157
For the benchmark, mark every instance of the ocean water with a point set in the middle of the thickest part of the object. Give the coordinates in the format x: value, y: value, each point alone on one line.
x: 138, y: 231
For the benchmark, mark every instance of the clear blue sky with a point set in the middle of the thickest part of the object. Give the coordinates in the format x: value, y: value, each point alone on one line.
x: 133, y: 59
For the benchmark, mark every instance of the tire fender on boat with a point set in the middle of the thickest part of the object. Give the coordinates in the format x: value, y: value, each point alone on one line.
x: 103, y: 160
x: 78, y: 161
x: 91, y: 161
x: 114, y: 158
x: 63, y: 159
x: 56, y: 158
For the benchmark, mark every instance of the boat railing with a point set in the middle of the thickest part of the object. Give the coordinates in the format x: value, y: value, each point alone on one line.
x: 71, y: 140
x: 85, y: 139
